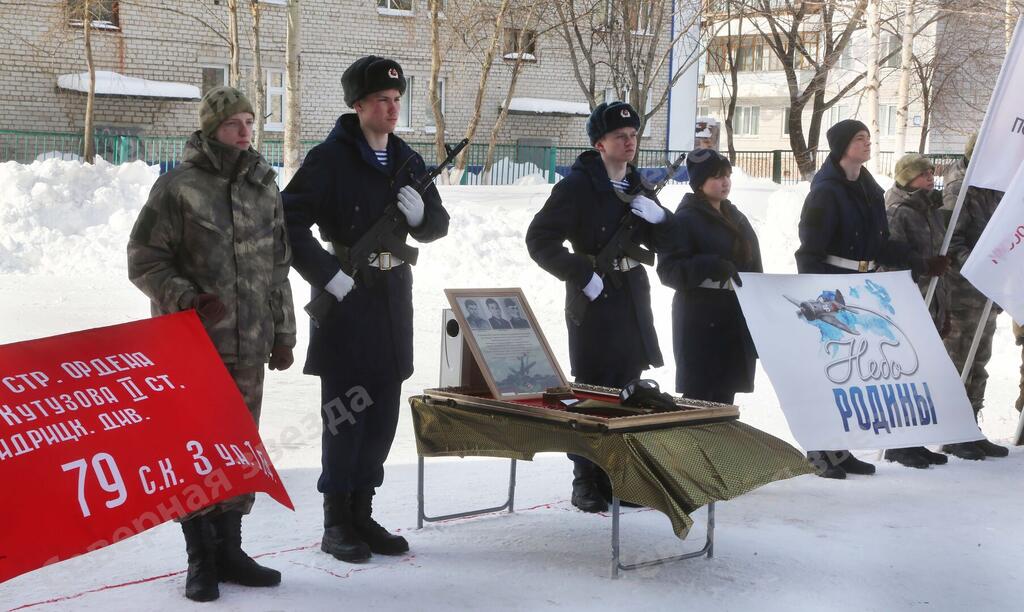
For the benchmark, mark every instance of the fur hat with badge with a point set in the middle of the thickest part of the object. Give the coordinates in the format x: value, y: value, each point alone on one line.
x: 608, y: 117
x: 910, y: 166
x: 702, y: 164
x: 220, y: 103
x: 369, y: 74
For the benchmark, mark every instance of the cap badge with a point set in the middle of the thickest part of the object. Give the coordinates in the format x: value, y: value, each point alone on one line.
x: 393, y: 73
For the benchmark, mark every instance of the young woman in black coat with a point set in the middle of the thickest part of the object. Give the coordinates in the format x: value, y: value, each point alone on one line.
x: 712, y: 241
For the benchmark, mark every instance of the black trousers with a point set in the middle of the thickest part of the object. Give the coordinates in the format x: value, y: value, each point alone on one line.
x: 359, y: 422
x: 604, y: 378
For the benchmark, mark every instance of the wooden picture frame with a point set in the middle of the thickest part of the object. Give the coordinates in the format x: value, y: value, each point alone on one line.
x: 506, y: 341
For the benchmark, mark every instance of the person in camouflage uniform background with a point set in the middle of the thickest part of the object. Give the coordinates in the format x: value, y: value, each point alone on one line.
x: 912, y: 207
x: 212, y: 237
x: 1018, y: 333
x: 966, y: 302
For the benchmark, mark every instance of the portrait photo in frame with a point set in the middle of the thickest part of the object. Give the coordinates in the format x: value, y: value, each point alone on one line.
x: 506, y: 341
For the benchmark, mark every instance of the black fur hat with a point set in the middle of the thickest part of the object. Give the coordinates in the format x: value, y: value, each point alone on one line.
x: 369, y: 74
x: 610, y: 117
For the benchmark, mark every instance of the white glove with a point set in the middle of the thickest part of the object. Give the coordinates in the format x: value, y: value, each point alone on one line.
x: 340, y: 285
x: 648, y: 210
x: 410, y: 202
x: 594, y: 287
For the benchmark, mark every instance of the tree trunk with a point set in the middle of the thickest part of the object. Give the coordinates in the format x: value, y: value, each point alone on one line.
x: 903, y: 94
x: 871, y: 87
x: 485, y: 72
x: 517, y: 69
x: 435, y: 74
x: 88, y: 144
x: 293, y: 94
x: 258, y: 82
x: 234, y: 69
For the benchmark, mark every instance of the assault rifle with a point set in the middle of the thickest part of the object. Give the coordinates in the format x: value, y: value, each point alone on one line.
x: 380, y: 239
x: 622, y: 243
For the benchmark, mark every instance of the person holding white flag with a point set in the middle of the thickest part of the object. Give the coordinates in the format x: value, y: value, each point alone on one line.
x: 967, y: 302
x: 843, y: 230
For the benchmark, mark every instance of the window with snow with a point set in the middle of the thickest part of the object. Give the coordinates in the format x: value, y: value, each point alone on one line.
x: 394, y: 6
x: 520, y: 43
x: 102, y: 13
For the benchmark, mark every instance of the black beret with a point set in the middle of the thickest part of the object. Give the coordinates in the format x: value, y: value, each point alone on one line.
x: 369, y: 74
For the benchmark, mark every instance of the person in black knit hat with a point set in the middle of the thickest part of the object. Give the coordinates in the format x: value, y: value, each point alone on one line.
x: 712, y: 241
x: 844, y: 230
x: 616, y: 340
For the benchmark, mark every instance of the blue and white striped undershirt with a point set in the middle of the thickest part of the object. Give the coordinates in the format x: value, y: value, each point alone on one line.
x: 622, y: 185
x: 382, y: 157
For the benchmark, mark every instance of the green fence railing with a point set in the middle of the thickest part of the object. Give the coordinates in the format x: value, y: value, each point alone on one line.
x: 512, y: 163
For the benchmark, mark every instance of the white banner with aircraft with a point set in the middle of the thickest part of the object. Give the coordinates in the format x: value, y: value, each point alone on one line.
x: 855, y: 360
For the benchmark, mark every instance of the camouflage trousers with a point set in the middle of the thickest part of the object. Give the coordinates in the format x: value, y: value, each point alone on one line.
x: 964, y: 316
x: 249, y: 380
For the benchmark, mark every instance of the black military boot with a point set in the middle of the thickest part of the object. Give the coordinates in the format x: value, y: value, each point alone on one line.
x: 824, y: 467
x: 380, y: 540
x: 853, y: 465
x: 932, y: 457
x: 964, y: 450
x: 201, y: 547
x: 991, y: 449
x: 586, y: 493
x: 233, y: 565
x: 340, y: 539
x: 908, y: 457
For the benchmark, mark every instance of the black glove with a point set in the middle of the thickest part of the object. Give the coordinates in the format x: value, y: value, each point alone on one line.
x: 211, y: 310
x: 281, y: 357
x: 936, y: 266
x: 725, y: 270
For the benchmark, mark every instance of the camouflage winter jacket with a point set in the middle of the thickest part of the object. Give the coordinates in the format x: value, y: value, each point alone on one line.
x: 979, y: 206
x: 215, y: 224
x: 914, y: 218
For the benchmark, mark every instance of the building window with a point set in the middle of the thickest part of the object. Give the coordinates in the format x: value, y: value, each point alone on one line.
x: 394, y: 6
x: 746, y: 120
x: 846, y: 60
x: 703, y: 111
x: 214, y: 75
x: 749, y: 52
x: 610, y: 95
x: 275, y: 101
x: 519, y: 43
x: 103, y: 13
x: 428, y: 107
x: 405, y: 112
x: 891, y: 47
x: 887, y: 119
x: 639, y: 16
x: 837, y: 113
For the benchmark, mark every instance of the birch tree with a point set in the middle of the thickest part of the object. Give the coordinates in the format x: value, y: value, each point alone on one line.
x: 234, y: 67
x: 293, y: 83
x: 258, y: 84
x: 88, y: 136
x: 906, y: 66
x: 871, y: 87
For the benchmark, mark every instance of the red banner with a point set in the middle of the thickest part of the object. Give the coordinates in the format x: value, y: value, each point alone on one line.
x: 108, y: 432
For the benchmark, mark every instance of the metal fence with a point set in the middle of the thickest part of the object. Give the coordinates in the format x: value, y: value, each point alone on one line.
x: 512, y: 163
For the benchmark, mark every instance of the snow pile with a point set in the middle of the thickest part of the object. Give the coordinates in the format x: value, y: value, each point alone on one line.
x: 505, y: 171
x: 62, y: 217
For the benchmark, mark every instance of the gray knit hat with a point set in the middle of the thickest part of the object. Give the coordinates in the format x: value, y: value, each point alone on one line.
x: 220, y: 103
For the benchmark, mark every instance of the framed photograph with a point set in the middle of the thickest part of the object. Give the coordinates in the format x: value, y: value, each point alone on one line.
x: 506, y: 342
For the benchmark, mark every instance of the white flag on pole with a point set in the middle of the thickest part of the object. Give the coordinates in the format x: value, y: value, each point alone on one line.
x: 996, y: 263
x: 1000, y: 148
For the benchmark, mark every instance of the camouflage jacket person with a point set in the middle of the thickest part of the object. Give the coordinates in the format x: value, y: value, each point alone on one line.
x: 914, y: 218
x: 979, y: 206
x: 215, y: 224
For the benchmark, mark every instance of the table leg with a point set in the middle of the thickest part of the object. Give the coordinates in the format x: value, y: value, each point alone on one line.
x: 707, y: 550
x: 421, y: 515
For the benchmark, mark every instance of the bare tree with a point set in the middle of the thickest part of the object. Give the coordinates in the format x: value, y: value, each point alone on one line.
x: 234, y: 68
x: 88, y: 144
x: 874, y: 24
x: 433, y: 95
x: 293, y: 107
x: 906, y: 66
x: 723, y: 64
x: 258, y: 84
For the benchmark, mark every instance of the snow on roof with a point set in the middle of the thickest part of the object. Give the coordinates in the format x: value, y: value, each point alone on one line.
x: 544, y: 106
x: 114, y: 84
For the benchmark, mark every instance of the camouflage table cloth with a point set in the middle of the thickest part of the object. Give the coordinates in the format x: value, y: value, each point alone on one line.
x: 675, y: 470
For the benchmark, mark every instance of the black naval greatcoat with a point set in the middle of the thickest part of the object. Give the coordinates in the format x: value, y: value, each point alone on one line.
x: 342, y: 189
x: 617, y: 333
x: 715, y: 355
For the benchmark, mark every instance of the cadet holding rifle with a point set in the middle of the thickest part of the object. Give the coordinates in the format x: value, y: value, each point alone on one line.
x: 615, y: 339
x: 362, y: 347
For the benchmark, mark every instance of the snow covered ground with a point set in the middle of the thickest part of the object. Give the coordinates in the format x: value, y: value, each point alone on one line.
x: 947, y: 538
